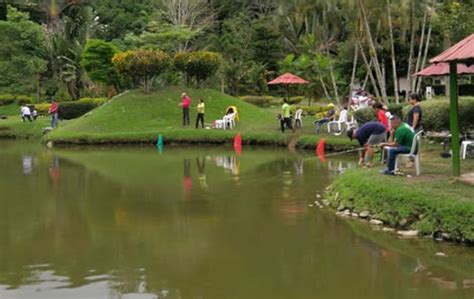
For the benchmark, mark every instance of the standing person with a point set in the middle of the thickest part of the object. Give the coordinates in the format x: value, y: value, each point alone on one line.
x: 286, y: 117
x: 54, y: 111
x: 369, y: 135
x: 401, y: 144
x: 200, y: 113
x: 381, y: 115
x: 25, y: 113
x: 185, y: 104
x: 415, y: 116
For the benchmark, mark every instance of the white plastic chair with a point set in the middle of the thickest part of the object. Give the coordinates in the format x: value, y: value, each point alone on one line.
x: 229, y: 121
x: 464, y: 146
x: 299, y: 118
x: 342, y: 124
x: 414, y: 153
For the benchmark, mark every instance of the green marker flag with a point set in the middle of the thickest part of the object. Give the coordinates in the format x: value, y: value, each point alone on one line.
x: 159, y: 141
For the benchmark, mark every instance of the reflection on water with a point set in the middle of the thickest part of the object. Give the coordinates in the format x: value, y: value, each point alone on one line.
x: 191, y: 223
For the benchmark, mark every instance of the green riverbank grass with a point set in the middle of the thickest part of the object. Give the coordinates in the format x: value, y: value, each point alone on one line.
x: 137, y: 117
x: 14, y: 128
x: 432, y: 203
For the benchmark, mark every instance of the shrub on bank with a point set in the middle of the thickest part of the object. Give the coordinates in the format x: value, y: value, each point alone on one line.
x: 260, y: 101
x: 365, y: 115
x: 311, y: 110
x: 7, y: 99
x: 436, y: 114
x: 296, y: 100
x: 23, y: 100
x: 73, y: 109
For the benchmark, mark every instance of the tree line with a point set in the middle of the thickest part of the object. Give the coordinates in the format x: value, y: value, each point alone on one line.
x: 51, y: 48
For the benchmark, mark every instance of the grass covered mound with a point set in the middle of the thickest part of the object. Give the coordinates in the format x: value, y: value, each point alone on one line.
x: 433, y: 203
x: 139, y: 117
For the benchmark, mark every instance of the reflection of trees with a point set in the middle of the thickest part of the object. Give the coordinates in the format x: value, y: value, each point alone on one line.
x: 238, y: 241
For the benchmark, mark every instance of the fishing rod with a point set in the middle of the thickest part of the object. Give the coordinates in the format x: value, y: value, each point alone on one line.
x: 345, y: 152
x: 342, y: 153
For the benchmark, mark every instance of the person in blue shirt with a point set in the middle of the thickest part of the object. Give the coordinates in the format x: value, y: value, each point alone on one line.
x: 369, y: 135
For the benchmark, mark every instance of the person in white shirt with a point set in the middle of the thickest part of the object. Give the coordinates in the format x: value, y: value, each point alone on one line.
x: 26, y: 113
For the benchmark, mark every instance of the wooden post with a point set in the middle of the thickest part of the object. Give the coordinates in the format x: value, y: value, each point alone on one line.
x: 454, y: 118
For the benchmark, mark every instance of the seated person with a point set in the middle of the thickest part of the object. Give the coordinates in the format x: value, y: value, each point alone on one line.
x: 370, y: 134
x: 400, y: 144
x: 330, y: 116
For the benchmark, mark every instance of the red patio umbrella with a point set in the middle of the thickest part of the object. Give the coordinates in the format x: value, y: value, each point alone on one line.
x: 442, y: 69
x: 288, y: 79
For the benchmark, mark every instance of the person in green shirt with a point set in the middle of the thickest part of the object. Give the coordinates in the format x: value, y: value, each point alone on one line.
x: 286, y: 117
x: 200, y: 113
x: 400, y: 143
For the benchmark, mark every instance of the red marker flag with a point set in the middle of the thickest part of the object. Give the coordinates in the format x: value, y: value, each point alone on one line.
x: 320, y: 150
x: 238, y: 144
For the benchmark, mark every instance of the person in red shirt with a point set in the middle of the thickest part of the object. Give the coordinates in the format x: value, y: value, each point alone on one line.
x: 54, y: 111
x: 185, y: 104
x: 381, y: 115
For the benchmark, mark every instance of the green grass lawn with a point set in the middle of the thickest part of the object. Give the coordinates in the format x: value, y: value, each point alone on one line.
x: 433, y: 202
x: 13, y: 127
x: 137, y: 117
x: 10, y: 110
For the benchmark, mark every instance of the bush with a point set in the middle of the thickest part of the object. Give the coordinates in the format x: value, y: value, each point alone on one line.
x: 96, y: 60
x: 6, y: 99
x: 22, y: 100
x: 365, y: 115
x: 42, y: 108
x: 436, y: 114
x: 311, y: 110
x: 396, y: 109
x: 296, y: 100
x: 198, y: 65
x: 142, y: 66
x: 74, y: 109
x: 260, y: 101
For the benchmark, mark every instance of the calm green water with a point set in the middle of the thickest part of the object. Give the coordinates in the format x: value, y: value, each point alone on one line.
x: 199, y: 224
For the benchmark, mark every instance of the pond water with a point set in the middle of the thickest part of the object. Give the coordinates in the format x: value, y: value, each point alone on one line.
x: 199, y: 223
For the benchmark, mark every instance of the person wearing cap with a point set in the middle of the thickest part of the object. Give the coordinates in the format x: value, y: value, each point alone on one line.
x: 401, y: 144
x: 369, y: 135
x: 330, y: 116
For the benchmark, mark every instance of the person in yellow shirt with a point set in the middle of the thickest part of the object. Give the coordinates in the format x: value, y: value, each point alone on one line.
x: 200, y: 113
x: 286, y: 117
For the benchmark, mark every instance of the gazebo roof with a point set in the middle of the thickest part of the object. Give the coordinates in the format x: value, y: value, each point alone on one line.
x: 442, y: 69
x: 462, y: 52
x: 288, y: 78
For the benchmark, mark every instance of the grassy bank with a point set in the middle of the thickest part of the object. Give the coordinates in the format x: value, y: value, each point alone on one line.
x: 139, y: 118
x: 433, y: 204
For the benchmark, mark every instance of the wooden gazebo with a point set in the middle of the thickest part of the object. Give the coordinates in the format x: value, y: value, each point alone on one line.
x: 460, y: 53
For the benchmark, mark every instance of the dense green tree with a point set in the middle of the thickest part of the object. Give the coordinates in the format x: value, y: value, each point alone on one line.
x: 22, y: 52
x: 198, y: 65
x: 97, y: 62
x: 116, y: 18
